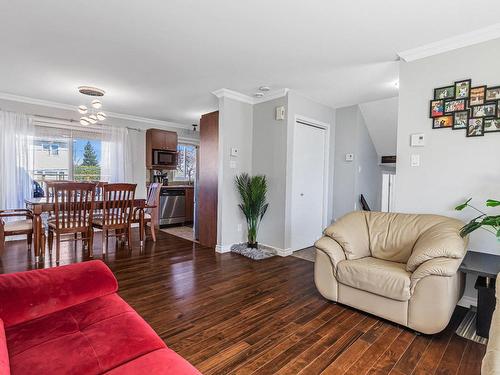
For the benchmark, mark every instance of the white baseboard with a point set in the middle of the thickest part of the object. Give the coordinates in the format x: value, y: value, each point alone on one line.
x: 222, y: 248
x: 467, y: 302
x: 279, y: 251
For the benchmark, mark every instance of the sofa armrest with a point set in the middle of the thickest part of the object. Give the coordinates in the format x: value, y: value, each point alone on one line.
x: 28, y: 295
x: 446, y: 267
x: 332, y: 249
x: 442, y: 240
x: 4, y: 353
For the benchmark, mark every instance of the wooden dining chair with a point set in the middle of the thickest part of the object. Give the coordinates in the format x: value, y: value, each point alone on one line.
x: 151, y: 210
x: 73, y: 214
x: 118, y: 201
x: 16, y: 227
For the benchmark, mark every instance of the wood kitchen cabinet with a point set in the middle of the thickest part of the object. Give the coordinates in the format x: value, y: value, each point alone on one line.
x: 189, y: 215
x: 157, y: 139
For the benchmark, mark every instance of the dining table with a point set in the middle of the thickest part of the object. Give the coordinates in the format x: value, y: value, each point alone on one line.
x: 38, y: 206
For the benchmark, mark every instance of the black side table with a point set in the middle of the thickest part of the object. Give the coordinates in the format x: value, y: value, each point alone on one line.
x: 486, y: 267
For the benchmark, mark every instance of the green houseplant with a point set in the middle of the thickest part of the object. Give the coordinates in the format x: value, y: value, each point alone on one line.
x: 491, y: 223
x: 253, y: 191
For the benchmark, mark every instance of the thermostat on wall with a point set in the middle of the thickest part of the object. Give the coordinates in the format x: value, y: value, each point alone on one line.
x: 417, y: 140
x: 349, y: 157
x: 234, y: 151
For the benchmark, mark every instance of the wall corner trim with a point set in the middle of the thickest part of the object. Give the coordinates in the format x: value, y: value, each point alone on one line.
x: 449, y: 44
x: 235, y: 95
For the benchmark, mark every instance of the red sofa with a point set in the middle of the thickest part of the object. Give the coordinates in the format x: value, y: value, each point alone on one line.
x: 69, y: 320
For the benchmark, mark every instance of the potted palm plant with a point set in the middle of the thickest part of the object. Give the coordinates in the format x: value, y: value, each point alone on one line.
x: 253, y: 191
x: 491, y: 223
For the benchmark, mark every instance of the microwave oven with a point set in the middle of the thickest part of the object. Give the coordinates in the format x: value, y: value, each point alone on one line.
x: 164, y: 158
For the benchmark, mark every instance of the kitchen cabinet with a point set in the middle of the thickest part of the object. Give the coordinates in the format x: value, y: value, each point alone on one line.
x: 157, y: 139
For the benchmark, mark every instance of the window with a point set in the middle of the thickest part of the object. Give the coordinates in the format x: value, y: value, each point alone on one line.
x: 186, y: 162
x: 60, y: 153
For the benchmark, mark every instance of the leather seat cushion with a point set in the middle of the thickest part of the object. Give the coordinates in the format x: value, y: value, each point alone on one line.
x: 378, y: 276
x: 18, y: 225
x: 89, y: 338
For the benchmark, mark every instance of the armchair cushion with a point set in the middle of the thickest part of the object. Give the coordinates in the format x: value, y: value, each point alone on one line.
x: 442, y: 240
x: 378, y: 276
x: 4, y: 353
x: 18, y: 225
x: 29, y: 295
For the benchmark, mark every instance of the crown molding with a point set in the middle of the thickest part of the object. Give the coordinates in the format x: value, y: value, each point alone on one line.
x: 449, y: 44
x: 235, y: 95
x: 69, y: 107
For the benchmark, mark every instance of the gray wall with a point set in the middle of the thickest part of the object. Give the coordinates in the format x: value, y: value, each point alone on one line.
x: 363, y: 175
x: 269, y: 159
x: 453, y: 167
x: 235, y: 130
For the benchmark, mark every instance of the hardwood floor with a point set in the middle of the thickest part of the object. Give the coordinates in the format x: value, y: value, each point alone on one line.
x: 227, y: 314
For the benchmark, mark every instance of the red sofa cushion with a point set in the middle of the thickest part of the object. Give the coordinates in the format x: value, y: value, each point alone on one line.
x: 4, y: 354
x: 28, y: 295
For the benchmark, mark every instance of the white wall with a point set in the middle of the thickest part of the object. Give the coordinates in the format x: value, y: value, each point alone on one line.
x: 269, y: 159
x: 235, y: 130
x: 137, y: 138
x: 363, y: 175
x: 453, y: 167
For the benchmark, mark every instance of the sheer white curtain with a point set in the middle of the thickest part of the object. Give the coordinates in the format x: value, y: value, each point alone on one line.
x: 16, y: 159
x: 116, y: 155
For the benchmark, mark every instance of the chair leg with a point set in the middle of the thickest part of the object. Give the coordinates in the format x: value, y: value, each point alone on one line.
x: 129, y: 237
x: 29, y: 240
x: 90, y: 241
x: 42, y: 246
x: 104, y: 241
x: 51, y: 241
x: 58, y: 247
x: 153, y: 231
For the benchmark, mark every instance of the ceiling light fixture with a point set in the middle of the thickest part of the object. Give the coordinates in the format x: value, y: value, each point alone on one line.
x: 264, y: 88
x: 258, y: 95
x: 94, y: 116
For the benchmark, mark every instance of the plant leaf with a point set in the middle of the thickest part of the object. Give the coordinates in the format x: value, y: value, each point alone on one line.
x: 460, y: 207
x: 492, y: 203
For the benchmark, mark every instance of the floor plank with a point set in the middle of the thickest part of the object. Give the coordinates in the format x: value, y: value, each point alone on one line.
x: 231, y: 315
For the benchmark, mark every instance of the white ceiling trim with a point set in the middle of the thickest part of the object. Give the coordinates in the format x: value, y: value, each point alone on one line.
x: 69, y: 107
x: 235, y: 95
x: 463, y: 40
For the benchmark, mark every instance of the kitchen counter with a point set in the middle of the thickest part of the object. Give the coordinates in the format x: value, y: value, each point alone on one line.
x: 178, y: 187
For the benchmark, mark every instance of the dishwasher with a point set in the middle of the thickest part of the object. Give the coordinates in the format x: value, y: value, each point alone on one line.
x: 172, y: 206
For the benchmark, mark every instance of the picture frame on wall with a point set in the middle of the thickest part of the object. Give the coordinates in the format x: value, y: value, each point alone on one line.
x: 475, y: 127
x: 460, y: 120
x: 462, y: 89
x: 492, y: 125
x: 454, y: 105
x: 493, y: 93
x: 477, y: 95
x: 485, y: 110
x: 437, y: 108
x: 442, y: 122
x: 447, y: 92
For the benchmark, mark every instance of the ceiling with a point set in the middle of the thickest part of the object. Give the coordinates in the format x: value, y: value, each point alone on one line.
x: 162, y: 59
x: 381, y: 118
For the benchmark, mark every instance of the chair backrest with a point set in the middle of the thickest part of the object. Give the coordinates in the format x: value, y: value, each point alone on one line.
x: 153, y: 202
x: 74, y: 204
x: 99, y: 188
x: 118, y: 202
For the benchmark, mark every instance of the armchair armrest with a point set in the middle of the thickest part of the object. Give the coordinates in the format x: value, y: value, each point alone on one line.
x: 440, y: 241
x: 332, y: 249
x: 441, y: 266
x: 28, y: 295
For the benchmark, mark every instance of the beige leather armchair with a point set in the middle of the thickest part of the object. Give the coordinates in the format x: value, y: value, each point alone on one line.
x: 491, y: 360
x: 401, y: 267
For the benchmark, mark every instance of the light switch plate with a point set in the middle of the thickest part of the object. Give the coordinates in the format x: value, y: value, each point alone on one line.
x: 417, y: 140
x: 415, y: 160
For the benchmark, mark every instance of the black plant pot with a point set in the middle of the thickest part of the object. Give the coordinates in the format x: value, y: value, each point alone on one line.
x: 254, y: 245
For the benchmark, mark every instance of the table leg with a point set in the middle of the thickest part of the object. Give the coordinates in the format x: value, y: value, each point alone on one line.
x: 142, y: 229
